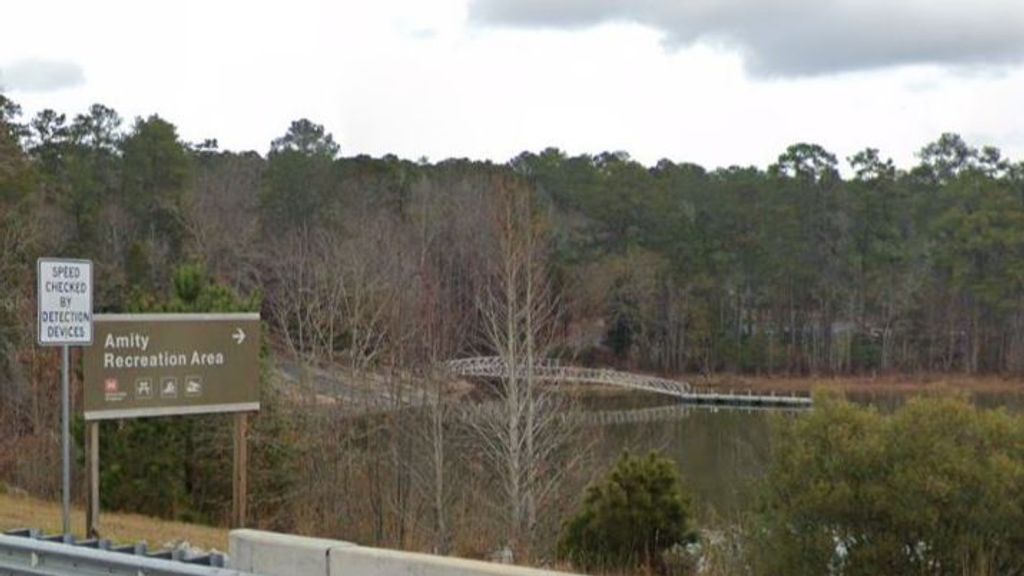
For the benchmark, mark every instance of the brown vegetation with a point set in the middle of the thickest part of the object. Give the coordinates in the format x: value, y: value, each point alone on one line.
x: 895, y: 383
x: 21, y: 511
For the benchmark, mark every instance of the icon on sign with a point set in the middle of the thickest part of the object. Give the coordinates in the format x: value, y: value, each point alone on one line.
x: 144, y: 388
x: 168, y: 387
x: 112, y: 391
x: 193, y: 385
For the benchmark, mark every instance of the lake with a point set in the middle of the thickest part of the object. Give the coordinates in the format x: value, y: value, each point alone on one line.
x: 721, y: 452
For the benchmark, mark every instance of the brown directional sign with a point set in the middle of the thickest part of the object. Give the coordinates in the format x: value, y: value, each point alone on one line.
x: 165, y: 364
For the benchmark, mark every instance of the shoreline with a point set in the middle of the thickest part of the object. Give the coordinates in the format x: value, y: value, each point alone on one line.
x: 881, y: 384
x: 896, y: 383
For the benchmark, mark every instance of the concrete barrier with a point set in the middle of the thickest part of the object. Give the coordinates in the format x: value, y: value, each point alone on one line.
x: 360, y: 561
x: 272, y: 554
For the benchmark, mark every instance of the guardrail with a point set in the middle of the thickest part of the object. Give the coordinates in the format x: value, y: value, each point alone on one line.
x: 253, y: 553
x: 31, y: 553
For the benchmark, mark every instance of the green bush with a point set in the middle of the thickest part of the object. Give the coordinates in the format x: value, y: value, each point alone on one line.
x: 935, y: 488
x: 630, y: 517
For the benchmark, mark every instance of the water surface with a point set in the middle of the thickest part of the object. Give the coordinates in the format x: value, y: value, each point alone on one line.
x: 721, y: 452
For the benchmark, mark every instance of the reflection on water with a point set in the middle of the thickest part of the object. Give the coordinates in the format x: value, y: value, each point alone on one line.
x: 720, y: 451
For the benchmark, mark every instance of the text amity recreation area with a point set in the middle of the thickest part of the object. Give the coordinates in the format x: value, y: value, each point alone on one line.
x: 133, y: 353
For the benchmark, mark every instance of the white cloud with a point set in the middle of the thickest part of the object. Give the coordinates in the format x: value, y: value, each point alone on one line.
x: 37, y: 75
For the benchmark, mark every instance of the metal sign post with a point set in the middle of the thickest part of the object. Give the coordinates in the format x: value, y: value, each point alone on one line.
x: 64, y: 297
x: 65, y: 441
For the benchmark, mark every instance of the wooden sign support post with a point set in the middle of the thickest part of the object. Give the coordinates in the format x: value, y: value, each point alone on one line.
x: 92, y: 456
x: 239, y: 479
x: 240, y: 474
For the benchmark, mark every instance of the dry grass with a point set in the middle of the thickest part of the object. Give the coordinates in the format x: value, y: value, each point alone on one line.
x: 24, y: 512
x: 887, y: 383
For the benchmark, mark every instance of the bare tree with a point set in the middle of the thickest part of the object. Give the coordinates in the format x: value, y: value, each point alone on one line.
x: 304, y: 310
x: 523, y: 433
x: 434, y: 313
x: 369, y: 272
x: 29, y: 409
x: 221, y: 217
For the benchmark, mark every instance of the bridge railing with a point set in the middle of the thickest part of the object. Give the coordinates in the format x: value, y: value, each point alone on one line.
x: 553, y: 371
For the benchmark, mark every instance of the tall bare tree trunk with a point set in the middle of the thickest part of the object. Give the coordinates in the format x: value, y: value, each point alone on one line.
x: 518, y: 308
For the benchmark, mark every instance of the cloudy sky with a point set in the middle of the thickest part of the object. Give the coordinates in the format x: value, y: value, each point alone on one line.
x: 717, y: 82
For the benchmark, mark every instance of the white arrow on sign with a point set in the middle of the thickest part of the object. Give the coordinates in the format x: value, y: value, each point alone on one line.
x: 238, y: 336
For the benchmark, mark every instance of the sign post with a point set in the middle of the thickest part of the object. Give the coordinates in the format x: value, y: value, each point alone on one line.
x: 64, y: 297
x: 92, y: 456
x: 146, y: 365
x: 240, y: 471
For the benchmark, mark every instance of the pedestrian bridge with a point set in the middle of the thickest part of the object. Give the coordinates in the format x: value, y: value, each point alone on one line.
x: 553, y: 371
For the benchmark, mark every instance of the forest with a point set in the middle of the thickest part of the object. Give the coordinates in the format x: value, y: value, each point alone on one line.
x: 386, y: 267
x: 673, y: 268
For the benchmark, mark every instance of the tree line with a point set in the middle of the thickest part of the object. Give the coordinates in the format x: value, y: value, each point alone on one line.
x: 793, y: 269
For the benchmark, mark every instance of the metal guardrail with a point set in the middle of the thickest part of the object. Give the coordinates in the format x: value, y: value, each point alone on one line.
x: 30, y: 553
